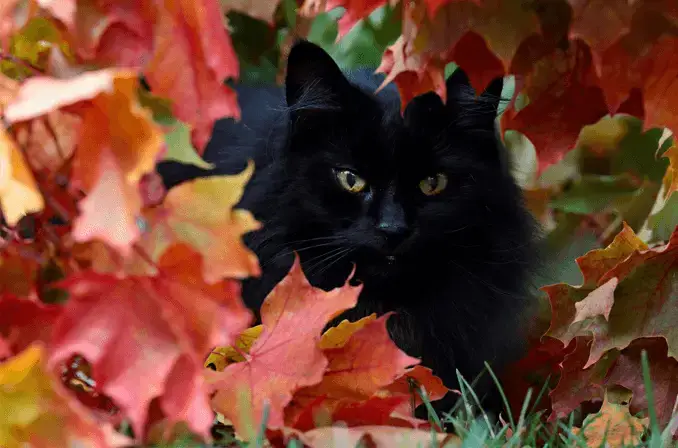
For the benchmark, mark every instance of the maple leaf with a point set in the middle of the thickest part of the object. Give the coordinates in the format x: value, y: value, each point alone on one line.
x: 564, y: 97
x: 155, y: 328
x: 418, y: 376
x: 223, y: 356
x: 338, y: 336
x: 285, y: 356
x: 38, y: 412
x: 579, y: 383
x: 200, y: 213
x: 379, y: 436
x: 19, y: 194
x: 24, y: 321
x: 373, y: 411
x: 582, y: 310
x: 192, y: 58
x: 49, y: 141
x: 645, y: 300
x: 354, y: 11
x: 612, y: 425
x: 366, y: 363
x: 416, y: 61
x: 627, y: 372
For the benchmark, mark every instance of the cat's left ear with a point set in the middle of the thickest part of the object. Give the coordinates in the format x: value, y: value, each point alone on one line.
x: 313, y: 80
x: 466, y: 106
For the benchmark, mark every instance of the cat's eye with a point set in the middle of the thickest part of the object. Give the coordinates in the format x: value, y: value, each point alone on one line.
x: 433, y: 185
x: 350, y: 181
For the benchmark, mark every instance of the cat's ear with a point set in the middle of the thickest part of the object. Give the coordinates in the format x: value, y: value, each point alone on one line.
x: 463, y: 102
x: 313, y: 80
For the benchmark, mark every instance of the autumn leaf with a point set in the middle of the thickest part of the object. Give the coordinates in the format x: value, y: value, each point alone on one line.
x: 613, y: 424
x: 37, y: 411
x: 379, y: 436
x: 577, y: 311
x: 416, y: 377
x: 627, y: 372
x: 339, y: 335
x: 366, y: 363
x: 155, y: 328
x: 286, y: 356
x: 564, y: 97
x: 192, y: 58
x: 19, y: 194
x: 220, y: 357
x: 200, y: 213
x: 113, y: 155
x: 179, y: 146
x: 645, y: 300
x: 579, y: 383
x: 354, y: 11
x: 24, y: 321
x: 373, y: 411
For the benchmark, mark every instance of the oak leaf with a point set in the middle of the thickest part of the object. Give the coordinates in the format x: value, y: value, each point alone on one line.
x: 285, y: 356
x: 155, y: 328
x: 39, y: 412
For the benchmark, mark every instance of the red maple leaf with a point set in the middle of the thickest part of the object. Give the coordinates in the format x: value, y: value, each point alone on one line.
x: 146, y: 337
x: 286, y: 356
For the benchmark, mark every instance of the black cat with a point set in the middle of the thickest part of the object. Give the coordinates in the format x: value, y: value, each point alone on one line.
x: 421, y: 202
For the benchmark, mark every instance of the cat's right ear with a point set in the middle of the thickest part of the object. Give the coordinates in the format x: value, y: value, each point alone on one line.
x: 313, y: 80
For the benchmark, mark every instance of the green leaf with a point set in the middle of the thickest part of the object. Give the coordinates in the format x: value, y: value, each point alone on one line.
x: 180, y: 149
x: 593, y: 194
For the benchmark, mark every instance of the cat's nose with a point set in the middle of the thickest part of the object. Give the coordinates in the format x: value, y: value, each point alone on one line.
x: 394, y: 233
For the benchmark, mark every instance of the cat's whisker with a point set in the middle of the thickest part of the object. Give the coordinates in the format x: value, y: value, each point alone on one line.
x: 336, y: 259
x: 298, y: 249
x: 324, y: 258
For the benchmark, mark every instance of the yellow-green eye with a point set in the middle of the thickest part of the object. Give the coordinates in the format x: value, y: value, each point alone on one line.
x: 433, y: 185
x: 350, y: 181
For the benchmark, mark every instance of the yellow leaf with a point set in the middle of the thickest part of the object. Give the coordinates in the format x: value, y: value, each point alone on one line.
x: 613, y: 424
x: 19, y: 193
x: 223, y: 356
x: 35, y: 412
x: 337, y: 337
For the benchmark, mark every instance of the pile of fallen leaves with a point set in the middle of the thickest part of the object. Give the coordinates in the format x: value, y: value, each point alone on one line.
x: 121, y: 320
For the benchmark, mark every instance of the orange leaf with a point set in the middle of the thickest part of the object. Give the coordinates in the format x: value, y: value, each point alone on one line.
x: 19, y: 194
x: 192, y: 57
x: 368, y: 362
x: 38, y: 412
x: 418, y: 376
x: 158, y: 329
x: 286, y: 355
x: 613, y: 425
x: 200, y: 213
x: 378, y: 436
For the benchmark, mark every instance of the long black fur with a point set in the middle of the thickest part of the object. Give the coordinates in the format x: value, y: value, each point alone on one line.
x: 459, y: 280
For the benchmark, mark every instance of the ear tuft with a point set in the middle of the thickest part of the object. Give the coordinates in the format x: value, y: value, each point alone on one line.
x: 311, y: 70
x: 461, y: 98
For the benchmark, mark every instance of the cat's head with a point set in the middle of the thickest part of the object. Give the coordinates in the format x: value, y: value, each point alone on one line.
x: 386, y: 190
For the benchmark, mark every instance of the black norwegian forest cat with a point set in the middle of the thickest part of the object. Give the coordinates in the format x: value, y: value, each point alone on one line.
x: 421, y: 202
